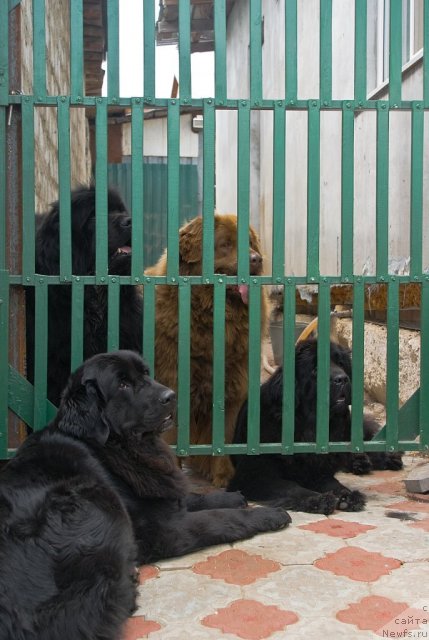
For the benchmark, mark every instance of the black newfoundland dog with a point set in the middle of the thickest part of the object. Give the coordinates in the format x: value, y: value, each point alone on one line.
x: 95, y: 297
x: 305, y: 481
x: 94, y: 493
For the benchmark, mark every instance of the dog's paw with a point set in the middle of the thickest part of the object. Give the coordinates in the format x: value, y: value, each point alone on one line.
x: 234, y: 500
x: 273, y: 518
x: 360, y: 464
x: 325, y: 503
x: 393, y: 461
x: 351, y: 501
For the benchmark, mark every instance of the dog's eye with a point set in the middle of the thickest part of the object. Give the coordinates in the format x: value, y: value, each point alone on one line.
x: 124, y: 384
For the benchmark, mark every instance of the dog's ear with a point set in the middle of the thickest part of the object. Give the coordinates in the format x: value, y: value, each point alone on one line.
x: 81, y: 411
x: 191, y: 241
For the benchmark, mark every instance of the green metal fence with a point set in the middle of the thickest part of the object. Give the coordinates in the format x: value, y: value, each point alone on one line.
x: 30, y: 404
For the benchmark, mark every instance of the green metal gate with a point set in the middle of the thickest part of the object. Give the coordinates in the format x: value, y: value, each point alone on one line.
x: 18, y: 398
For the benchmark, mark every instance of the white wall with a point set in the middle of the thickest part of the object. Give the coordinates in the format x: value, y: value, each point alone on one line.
x: 155, y: 137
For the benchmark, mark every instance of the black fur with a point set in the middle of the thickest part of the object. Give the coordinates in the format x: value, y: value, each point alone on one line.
x: 305, y: 481
x: 83, y: 263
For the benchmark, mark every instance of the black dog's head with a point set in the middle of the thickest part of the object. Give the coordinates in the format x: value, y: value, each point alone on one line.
x: 83, y: 226
x: 113, y: 392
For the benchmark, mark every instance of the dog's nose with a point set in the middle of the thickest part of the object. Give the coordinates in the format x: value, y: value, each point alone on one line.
x: 340, y: 379
x: 167, y: 397
x: 126, y: 221
x: 255, y: 260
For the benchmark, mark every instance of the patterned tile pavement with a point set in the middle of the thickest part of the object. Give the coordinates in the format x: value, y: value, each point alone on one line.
x: 350, y: 575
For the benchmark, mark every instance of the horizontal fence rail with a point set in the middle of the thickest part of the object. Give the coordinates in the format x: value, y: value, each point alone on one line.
x: 64, y: 97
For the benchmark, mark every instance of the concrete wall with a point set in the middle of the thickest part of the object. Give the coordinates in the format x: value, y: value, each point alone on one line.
x: 45, y: 120
x: 330, y: 155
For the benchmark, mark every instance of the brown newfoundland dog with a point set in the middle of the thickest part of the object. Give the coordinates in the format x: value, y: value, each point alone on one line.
x: 217, y: 469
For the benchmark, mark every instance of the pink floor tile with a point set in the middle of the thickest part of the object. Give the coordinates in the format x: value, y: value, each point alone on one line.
x: 409, y: 505
x: 337, y: 528
x: 147, y: 572
x: 138, y: 627
x: 357, y: 564
x: 236, y: 567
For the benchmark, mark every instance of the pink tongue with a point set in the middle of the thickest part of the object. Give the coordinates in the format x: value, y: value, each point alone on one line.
x: 244, y: 293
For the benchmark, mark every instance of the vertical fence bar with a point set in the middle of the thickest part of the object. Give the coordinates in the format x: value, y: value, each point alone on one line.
x: 313, y: 190
x: 113, y: 48
x: 279, y: 191
x: 424, y: 366
x: 426, y: 57
x: 149, y: 49
x: 291, y: 33
x: 395, y: 52
x: 243, y: 189
x: 323, y: 367
x: 254, y: 363
x: 255, y: 51
x: 113, y: 291
x: 149, y: 325
x: 3, y: 112
x: 137, y: 195
x: 208, y: 187
x: 28, y: 181
x: 392, y: 365
x: 173, y: 184
x: 4, y: 55
x: 63, y: 121
x: 184, y: 49
x: 358, y: 344
x: 39, y: 49
x: 220, y: 50
x: 416, y: 180
x: 4, y: 359
x: 184, y: 373
x: 218, y: 401
x: 382, y: 191
x: 288, y: 408
x: 40, y: 354
x: 76, y: 48
x: 77, y: 322
x: 101, y: 261
x: 347, y: 191
x: 360, y: 61
x: 325, y: 51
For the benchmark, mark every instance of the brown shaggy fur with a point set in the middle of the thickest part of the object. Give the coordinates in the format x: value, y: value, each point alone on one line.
x: 217, y: 469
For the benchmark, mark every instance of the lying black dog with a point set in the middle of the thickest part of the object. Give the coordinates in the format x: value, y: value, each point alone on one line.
x: 305, y: 481
x: 95, y: 297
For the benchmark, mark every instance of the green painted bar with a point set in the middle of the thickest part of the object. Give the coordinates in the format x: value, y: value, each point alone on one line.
x: 4, y: 360
x: 173, y: 183
x: 28, y: 190
x: 137, y: 213
x: 220, y: 50
x: 416, y: 205
x: 288, y: 410
x: 184, y: 369
x: 39, y: 48
x: 255, y: 51
x: 358, y: 346
x: 208, y: 187
x: 113, y: 48
x: 243, y: 190
x: 360, y: 61
x: 4, y: 55
x: 424, y: 367
x: 254, y: 360
x: 149, y: 49
x: 426, y: 58
x: 21, y: 399
x: 77, y: 322
x: 40, y: 354
x: 325, y: 50
x: 3, y: 115
x: 64, y: 187
x: 149, y: 324
x: 113, y: 314
x: 382, y: 191
x: 313, y: 189
x: 184, y: 49
x: 392, y: 365
x: 76, y: 48
x: 347, y: 191
x: 291, y: 31
x: 219, y: 293
x: 279, y: 191
x: 101, y: 261
x: 323, y: 367
x: 395, y: 52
